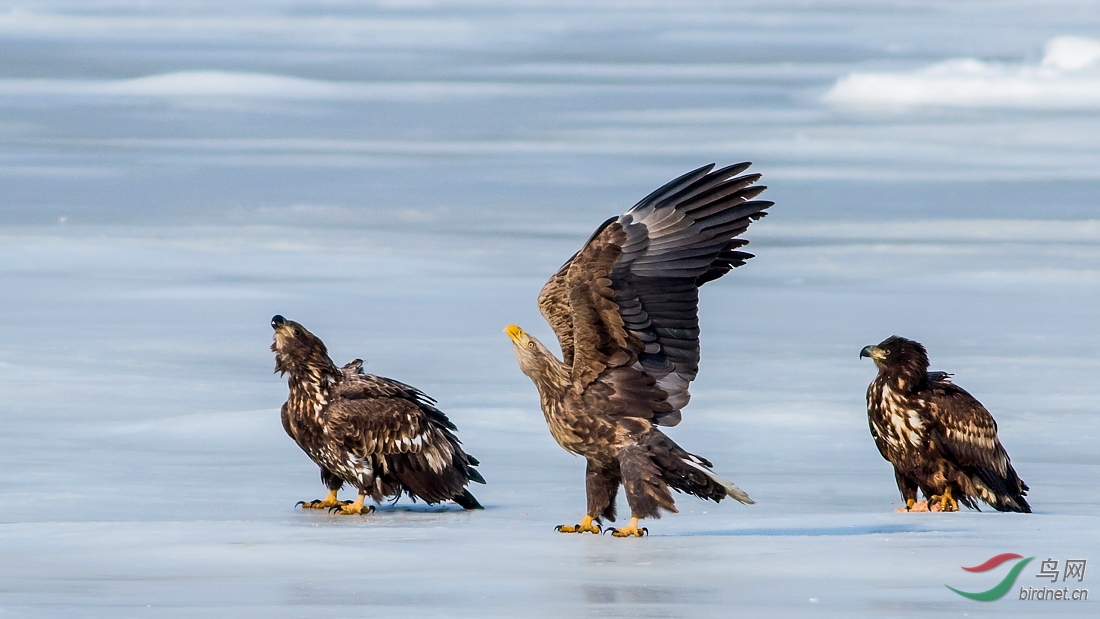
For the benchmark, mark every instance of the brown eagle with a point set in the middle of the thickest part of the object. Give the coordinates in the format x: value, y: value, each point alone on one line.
x: 374, y: 433
x: 625, y: 311
x: 938, y: 437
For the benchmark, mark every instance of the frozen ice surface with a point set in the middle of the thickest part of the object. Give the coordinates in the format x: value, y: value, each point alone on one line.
x: 144, y: 463
x: 402, y: 179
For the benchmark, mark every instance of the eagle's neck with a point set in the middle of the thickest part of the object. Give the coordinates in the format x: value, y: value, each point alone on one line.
x: 554, y: 381
x: 904, y: 378
x: 895, y: 410
x: 311, y: 391
x: 553, y: 377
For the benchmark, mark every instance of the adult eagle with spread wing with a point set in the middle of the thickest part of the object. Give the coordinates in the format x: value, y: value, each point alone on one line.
x: 383, y: 437
x: 625, y: 311
x: 939, y: 438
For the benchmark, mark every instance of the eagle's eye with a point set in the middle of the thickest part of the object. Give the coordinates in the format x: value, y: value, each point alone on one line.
x: 531, y: 345
x: 886, y: 352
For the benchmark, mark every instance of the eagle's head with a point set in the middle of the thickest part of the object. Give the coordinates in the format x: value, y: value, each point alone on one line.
x: 297, y: 351
x: 900, y: 358
x: 535, y: 360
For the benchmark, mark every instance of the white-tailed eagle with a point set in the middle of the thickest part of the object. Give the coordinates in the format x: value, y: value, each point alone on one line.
x: 383, y: 437
x: 625, y: 311
x: 939, y: 438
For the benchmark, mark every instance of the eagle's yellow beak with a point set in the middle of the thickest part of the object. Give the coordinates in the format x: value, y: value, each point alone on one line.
x: 514, y: 332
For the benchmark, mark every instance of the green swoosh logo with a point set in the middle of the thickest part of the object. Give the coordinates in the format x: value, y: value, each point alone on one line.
x: 998, y: 591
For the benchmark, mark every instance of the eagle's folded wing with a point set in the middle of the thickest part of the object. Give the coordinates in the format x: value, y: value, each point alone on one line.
x: 411, y: 441
x: 965, y: 430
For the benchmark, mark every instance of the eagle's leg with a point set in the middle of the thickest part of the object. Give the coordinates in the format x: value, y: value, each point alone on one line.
x: 329, y: 501
x: 908, y: 489
x: 354, y: 508
x: 601, y: 485
x: 333, y: 483
x: 646, y: 491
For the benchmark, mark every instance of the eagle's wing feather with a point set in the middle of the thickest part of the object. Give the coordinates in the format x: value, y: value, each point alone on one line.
x: 967, y: 432
x: 965, y: 428
x: 399, y: 427
x: 633, y: 289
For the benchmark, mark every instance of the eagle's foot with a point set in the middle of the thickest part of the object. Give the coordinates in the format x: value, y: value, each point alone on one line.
x: 943, y: 502
x: 913, y: 505
x: 630, y: 530
x: 354, y: 508
x: 588, y: 525
x: 351, y: 509
x: 325, y: 503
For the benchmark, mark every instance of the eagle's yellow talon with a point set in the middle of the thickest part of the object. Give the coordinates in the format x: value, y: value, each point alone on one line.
x: 329, y: 501
x: 946, y: 502
x: 352, y: 508
x: 630, y: 530
x: 588, y: 525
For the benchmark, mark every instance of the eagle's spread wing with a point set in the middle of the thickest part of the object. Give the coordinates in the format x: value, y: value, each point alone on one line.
x: 399, y: 427
x: 632, y: 292
x: 554, y: 305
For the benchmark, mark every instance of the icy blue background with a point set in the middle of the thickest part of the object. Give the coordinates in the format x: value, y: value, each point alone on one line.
x: 402, y: 177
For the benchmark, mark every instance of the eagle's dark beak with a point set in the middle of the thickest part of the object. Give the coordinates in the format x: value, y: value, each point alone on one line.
x: 873, y: 352
x: 277, y: 321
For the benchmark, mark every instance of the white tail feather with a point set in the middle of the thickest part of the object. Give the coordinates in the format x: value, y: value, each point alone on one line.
x: 732, y: 490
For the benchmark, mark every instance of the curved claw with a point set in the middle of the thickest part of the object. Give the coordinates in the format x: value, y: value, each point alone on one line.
x: 630, y: 530
x: 588, y: 525
x: 299, y: 503
x: 642, y: 532
x: 579, y: 528
x: 610, y: 530
x: 363, y: 510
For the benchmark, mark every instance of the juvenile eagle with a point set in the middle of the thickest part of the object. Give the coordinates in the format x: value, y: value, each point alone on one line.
x: 625, y: 311
x: 379, y: 435
x: 938, y: 437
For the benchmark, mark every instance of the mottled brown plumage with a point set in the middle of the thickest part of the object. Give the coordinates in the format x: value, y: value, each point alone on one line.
x: 625, y: 311
x: 383, y: 437
x: 939, y: 438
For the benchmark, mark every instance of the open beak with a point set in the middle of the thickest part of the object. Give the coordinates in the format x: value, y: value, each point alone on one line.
x: 873, y: 352
x: 514, y: 332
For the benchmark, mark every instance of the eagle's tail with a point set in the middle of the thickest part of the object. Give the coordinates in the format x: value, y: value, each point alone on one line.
x: 690, y: 473
x: 467, y: 500
x: 1005, y: 493
x: 732, y: 491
